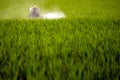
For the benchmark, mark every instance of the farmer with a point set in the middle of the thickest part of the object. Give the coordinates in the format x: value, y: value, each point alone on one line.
x: 34, y: 11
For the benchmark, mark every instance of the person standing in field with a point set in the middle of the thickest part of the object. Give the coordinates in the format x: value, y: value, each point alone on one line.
x: 34, y: 11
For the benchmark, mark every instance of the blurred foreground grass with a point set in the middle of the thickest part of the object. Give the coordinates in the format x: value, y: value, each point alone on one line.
x: 66, y: 49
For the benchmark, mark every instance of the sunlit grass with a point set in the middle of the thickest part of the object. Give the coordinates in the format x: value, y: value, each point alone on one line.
x: 85, y: 45
x: 60, y: 49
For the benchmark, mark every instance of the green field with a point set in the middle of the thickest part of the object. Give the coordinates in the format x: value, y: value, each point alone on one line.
x: 83, y: 46
x: 72, y: 8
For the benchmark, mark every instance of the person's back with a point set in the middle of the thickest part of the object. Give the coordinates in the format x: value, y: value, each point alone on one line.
x: 34, y: 12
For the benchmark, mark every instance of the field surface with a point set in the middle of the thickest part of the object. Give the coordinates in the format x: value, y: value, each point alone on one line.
x: 10, y: 9
x: 83, y: 46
